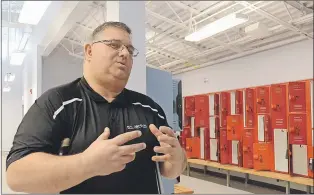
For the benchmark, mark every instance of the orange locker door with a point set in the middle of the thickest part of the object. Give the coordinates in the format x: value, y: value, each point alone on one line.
x: 207, y: 144
x: 234, y: 127
x: 214, y: 104
x: 239, y: 102
x: 249, y: 107
x: 281, y: 150
x: 312, y: 105
x: 297, y: 100
x: 186, y: 133
x: 264, y: 131
x: 213, y: 126
x: 201, y: 111
x: 224, y: 147
x: 189, y: 106
x: 310, y: 156
x: 278, y: 106
x: 263, y: 160
x: 262, y: 100
x: 193, y: 147
x: 248, y: 148
x: 213, y: 150
x: 299, y: 163
x: 225, y: 108
x: 297, y: 129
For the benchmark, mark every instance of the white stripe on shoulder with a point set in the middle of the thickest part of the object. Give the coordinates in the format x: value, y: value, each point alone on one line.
x: 147, y: 106
x: 63, y: 104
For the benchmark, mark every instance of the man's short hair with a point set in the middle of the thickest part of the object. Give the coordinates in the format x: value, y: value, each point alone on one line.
x: 105, y: 25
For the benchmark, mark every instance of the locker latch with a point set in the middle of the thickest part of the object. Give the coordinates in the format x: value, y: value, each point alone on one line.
x: 261, y: 101
x: 311, y: 164
x: 275, y: 107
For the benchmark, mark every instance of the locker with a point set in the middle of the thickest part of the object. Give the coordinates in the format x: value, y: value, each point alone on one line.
x: 262, y: 100
x: 244, y: 108
x: 234, y: 127
x: 224, y: 147
x: 248, y: 148
x: 281, y: 150
x: 236, y: 102
x: 236, y: 153
x: 297, y: 129
x: 193, y: 134
x: 204, y: 143
x: 213, y: 150
x: 186, y: 133
x: 213, y: 126
x: 249, y: 107
x: 278, y: 106
x: 214, y: 104
x: 299, y: 163
x: 225, y: 108
x: 189, y: 106
x: 201, y: 111
x: 312, y: 105
x: 310, y: 161
x: 297, y: 100
x: 193, y: 147
x: 262, y: 156
x: 264, y: 130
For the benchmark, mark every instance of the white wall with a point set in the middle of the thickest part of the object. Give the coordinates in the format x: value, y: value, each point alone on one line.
x: 60, y: 68
x: 288, y: 63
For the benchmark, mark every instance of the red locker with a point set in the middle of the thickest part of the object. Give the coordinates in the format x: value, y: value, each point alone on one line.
x: 262, y: 100
x: 263, y: 156
x: 278, y: 106
x: 214, y: 104
x: 264, y: 129
x: 310, y: 156
x: 201, y: 111
x: 186, y: 133
x: 250, y: 107
x: 297, y: 100
x: 204, y: 143
x: 225, y: 108
x: 234, y: 127
x: 189, y: 106
x: 235, y: 155
x: 248, y: 148
x: 193, y: 147
x: 297, y: 129
x: 225, y: 149
x: 213, y: 127
x: 239, y: 102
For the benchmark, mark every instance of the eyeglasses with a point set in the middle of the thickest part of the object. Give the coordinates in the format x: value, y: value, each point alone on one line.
x: 118, y: 45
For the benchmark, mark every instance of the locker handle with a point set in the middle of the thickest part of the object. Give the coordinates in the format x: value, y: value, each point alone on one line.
x: 260, y: 100
x: 249, y: 109
x: 293, y: 98
x: 275, y: 106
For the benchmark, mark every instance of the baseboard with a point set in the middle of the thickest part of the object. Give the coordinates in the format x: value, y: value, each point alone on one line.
x: 250, y: 181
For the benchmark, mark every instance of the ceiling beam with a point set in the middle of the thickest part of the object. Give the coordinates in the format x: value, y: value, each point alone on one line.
x: 275, y: 19
x: 72, y: 11
x: 297, y: 5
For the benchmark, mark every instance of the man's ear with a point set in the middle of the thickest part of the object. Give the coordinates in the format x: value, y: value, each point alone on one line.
x: 88, y: 51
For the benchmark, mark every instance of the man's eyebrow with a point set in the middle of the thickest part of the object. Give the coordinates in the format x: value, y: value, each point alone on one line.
x: 122, y: 42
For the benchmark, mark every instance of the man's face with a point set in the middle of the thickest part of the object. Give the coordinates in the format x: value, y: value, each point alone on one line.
x: 108, y: 60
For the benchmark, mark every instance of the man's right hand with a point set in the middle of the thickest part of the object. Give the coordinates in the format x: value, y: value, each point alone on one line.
x: 105, y: 156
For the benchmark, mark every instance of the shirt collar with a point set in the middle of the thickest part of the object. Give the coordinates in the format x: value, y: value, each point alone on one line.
x: 120, y: 99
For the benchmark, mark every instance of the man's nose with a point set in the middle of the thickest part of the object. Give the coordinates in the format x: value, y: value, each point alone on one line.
x: 124, y: 51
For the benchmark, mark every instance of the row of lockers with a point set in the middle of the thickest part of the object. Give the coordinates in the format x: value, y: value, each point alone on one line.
x: 265, y: 128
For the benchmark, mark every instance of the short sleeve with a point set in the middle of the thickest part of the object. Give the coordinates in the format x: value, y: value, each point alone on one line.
x: 40, y: 129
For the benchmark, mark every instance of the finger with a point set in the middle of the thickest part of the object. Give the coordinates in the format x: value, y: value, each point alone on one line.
x: 128, y: 149
x: 155, y: 130
x: 167, y: 130
x: 125, y: 137
x: 127, y: 158
x: 162, y: 158
x: 105, y: 134
x: 168, y: 140
x: 163, y: 150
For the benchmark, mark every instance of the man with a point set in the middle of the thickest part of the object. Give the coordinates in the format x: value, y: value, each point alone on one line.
x: 120, y: 141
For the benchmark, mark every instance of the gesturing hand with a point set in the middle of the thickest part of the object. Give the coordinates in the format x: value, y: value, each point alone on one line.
x: 169, y: 146
x: 105, y: 156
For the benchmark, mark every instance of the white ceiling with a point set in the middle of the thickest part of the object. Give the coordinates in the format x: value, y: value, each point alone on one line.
x: 168, y: 22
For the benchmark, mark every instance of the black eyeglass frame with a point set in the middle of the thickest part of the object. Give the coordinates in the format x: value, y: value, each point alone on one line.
x: 132, y: 50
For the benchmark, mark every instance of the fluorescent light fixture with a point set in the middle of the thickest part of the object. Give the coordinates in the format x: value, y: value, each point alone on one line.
x: 217, y: 26
x: 9, y: 77
x: 6, y: 89
x: 23, y: 41
x: 17, y: 59
x: 33, y: 11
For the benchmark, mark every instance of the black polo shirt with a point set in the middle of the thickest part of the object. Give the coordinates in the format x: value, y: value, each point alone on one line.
x: 76, y: 111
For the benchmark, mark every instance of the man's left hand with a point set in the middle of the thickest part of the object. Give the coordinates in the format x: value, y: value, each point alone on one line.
x: 169, y: 146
